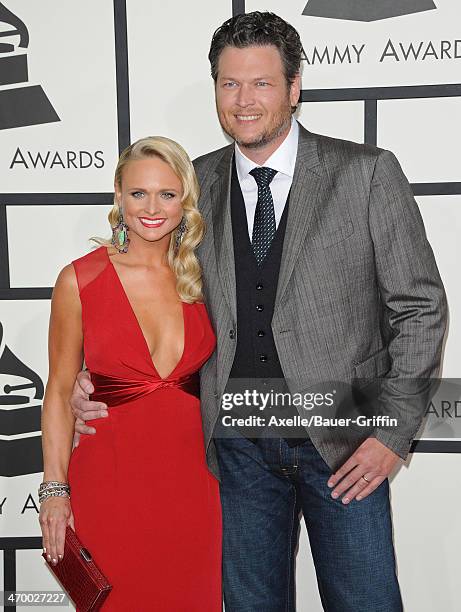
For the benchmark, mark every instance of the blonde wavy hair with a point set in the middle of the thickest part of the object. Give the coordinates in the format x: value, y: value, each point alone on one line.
x: 182, y: 261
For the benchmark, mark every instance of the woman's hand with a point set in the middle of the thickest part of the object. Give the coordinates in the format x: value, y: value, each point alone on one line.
x: 55, y: 515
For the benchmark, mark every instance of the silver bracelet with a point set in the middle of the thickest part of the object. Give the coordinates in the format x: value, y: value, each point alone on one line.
x: 51, y: 484
x: 53, y: 489
x: 47, y: 494
x: 41, y: 498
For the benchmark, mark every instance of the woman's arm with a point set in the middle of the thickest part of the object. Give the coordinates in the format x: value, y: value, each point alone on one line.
x: 65, y: 352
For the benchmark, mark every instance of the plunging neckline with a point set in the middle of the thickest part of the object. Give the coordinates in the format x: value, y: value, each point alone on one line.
x: 139, y: 328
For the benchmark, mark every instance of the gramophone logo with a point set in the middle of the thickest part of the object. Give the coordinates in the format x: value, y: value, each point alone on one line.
x: 366, y: 10
x: 21, y: 392
x: 21, y: 104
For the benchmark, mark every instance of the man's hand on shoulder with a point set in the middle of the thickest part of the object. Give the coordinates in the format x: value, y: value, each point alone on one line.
x: 83, y: 408
x: 364, y: 471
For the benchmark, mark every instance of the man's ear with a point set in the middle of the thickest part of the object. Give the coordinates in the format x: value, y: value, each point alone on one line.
x: 295, y: 89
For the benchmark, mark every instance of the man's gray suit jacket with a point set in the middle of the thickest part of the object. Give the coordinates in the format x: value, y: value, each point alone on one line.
x: 359, y: 295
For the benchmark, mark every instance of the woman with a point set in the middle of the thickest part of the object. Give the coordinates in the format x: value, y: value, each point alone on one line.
x: 141, y: 497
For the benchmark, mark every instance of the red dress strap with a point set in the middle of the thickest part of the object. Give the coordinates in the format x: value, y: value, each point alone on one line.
x: 90, y: 266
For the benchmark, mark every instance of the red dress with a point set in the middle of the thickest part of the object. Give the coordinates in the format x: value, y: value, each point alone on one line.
x: 144, y: 502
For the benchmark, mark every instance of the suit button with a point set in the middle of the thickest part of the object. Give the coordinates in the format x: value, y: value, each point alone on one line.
x: 263, y: 358
x: 259, y: 307
x: 261, y: 334
x: 259, y: 286
x: 232, y: 334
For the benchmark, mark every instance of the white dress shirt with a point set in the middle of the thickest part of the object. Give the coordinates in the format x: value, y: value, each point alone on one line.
x: 283, y: 160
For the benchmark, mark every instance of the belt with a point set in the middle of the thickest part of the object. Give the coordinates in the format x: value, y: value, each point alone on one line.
x: 113, y: 390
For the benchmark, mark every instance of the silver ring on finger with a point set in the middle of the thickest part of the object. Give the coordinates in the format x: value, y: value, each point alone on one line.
x: 366, y: 479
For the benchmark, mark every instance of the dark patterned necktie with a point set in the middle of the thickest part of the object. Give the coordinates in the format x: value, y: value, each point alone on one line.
x: 264, y: 222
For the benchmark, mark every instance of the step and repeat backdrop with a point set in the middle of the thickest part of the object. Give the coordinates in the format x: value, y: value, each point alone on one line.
x: 80, y: 81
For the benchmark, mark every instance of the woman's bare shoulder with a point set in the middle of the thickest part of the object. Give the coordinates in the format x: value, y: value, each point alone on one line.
x: 67, y: 278
x: 66, y: 289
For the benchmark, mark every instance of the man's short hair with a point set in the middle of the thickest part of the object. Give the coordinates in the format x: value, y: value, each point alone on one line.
x: 258, y: 29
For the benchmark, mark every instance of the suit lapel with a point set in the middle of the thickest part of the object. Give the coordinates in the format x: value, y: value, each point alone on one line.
x: 303, y: 197
x: 222, y: 229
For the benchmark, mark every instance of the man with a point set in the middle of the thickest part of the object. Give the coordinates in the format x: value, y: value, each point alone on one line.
x: 316, y: 268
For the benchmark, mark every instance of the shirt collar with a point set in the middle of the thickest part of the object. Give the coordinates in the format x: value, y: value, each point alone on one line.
x: 282, y: 159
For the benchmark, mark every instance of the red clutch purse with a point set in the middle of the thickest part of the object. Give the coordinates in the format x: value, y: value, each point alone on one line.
x: 80, y: 577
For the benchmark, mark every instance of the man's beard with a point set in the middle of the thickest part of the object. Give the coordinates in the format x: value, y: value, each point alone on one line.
x: 281, y: 123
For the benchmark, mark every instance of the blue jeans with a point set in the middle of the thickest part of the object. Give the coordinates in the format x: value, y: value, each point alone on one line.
x: 264, y: 487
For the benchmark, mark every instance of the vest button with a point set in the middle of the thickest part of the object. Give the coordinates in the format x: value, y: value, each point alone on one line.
x: 259, y: 307
x: 259, y: 286
x: 232, y: 334
x: 261, y: 334
x: 263, y: 358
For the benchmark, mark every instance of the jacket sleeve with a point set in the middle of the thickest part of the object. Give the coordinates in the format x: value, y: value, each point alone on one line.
x: 414, y: 301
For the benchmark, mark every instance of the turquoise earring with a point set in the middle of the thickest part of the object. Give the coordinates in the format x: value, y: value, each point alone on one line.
x: 120, y: 238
